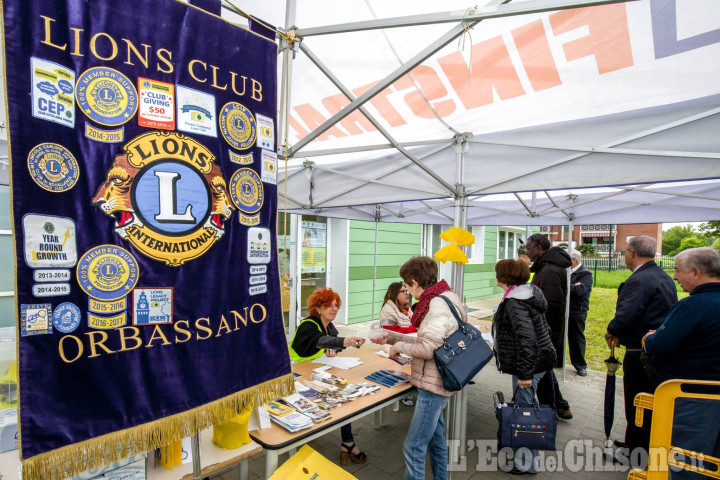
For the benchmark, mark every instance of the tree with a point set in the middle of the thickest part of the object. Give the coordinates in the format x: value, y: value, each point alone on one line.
x: 587, y: 249
x: 716, y: 245
x: 674, y: 236
x: 695, y: 241
x: 711, y: 228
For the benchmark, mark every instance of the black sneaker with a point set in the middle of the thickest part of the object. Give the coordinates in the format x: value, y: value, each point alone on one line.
x: 582, y: 372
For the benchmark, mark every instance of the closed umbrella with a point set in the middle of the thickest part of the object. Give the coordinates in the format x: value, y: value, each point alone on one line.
x: 612, y: 364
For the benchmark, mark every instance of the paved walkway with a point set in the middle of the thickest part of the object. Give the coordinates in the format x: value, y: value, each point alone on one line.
x: 579, y: 440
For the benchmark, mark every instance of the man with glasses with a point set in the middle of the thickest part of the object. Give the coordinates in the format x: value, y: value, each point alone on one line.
x: 550, y: 266
x: 644, y: 301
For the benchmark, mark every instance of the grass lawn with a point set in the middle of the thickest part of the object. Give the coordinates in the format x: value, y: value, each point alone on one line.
x: 602, y: 309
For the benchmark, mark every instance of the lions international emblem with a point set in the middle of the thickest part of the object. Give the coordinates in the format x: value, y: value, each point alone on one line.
x: 168, y: 197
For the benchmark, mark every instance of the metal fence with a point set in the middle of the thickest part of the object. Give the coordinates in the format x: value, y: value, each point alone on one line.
x: 617, y: 262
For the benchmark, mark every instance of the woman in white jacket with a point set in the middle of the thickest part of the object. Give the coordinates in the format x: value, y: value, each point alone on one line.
x: 396, y: 306
x: 435, y: 322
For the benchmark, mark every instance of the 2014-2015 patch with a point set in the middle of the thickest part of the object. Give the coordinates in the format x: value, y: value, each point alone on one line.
x: 237, y: 125
x: 246, y: 190
x: 52, y: 167
x: 106, y: 96
x: 168, y: 197
x: 107, y: 272
x: 66, y: 317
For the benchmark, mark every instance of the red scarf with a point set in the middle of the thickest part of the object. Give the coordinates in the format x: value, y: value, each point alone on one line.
x: 423, y: 304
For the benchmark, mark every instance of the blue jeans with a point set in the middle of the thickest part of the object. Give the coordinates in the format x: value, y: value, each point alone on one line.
x: 426, y: 435
x: 525, y: 459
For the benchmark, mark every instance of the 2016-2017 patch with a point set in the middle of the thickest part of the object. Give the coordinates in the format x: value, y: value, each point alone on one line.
x: 246, y: 190
x: 53, y: 167
x: 106, y: 96
x: 35, y: 319
x: 66, y: 317
x: 237, y: 125
x: 168, y: 197
x: 107, y: 272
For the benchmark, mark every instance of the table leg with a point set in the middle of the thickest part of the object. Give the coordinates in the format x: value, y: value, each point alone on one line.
x: 292, y: 452
x: 244, y: 469
x: 379, y: 419
x: 396, y: 406
x: 271, y: 462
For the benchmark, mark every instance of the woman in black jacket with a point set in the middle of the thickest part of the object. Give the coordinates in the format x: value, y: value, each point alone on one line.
x: 523, y: 347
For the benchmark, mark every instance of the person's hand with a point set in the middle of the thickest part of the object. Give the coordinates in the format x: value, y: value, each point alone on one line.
x: 394, y: 353
x: 330, y: 353
x: 380, y: 339
x: 642, y: 342
x: 524, y: 383
x: 577, y: 284
x: 353, y: 342
x: 612, y: 340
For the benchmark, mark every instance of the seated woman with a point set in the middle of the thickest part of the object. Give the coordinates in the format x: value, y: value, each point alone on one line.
x: 396, y: 306
x: 396, y: 311
x: 317, y: 335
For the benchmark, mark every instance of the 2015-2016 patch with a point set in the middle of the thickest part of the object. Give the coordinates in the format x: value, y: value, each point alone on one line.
x: 53, y: 167
x: 107, y: 272
x: 66, y: 317
x: 106, y: 96
x: 246, y: 190
x: 237, y: 125
x: 168, y: 197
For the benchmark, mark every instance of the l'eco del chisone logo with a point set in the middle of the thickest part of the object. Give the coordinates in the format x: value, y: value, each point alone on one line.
x: 167, y: 196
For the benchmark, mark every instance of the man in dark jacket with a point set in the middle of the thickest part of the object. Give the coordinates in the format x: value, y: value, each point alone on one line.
x: 550, y: 267
x: 644, y: 301
x: 687, y: 345
x: 581, y: 281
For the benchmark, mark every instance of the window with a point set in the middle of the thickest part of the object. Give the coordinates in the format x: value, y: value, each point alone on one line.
x: 476, y: 252
x: 509, y: 239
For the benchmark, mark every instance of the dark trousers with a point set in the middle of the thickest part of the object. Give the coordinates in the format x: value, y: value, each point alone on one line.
x: 346, y: 435
x: 635, y: 380
x: 557, y: 333
x: 696, y: 428
x: 576, y: 339
x: 548, y: 392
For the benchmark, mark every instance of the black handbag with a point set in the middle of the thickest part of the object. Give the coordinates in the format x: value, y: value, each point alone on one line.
x: 463, y: 354
x: 529, y: 425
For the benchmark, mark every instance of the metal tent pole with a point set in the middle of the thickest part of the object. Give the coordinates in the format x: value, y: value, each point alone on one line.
x: 571, y: 218
x: 377, y: 222
x: 457, y: 408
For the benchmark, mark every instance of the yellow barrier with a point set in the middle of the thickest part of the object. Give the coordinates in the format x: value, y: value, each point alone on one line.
x: 662, y: 454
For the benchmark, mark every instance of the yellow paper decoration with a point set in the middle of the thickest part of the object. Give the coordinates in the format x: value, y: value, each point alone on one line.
x: 455, y: 236
x: 459, y: 236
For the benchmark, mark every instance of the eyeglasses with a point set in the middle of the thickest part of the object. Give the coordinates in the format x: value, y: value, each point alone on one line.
x: 405, y: 290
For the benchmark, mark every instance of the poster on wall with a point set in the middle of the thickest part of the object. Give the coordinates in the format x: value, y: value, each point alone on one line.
x: 137, y: 229
x: 314, y: 246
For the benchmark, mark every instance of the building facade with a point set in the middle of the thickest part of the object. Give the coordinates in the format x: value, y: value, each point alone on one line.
x: 607, y: 239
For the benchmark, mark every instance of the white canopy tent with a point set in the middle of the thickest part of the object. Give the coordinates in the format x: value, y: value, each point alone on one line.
x: 510, y: 113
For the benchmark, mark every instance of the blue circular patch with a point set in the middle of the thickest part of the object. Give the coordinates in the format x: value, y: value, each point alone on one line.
x: 66, y: 317
x: 237, y: 125
x: 107, y: 272
x: 53, y: 167
x: 246, y: 190
x: 106, y: 96
x: 171, y: 198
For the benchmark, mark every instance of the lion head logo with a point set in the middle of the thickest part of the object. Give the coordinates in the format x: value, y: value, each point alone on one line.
x: 113, y: 197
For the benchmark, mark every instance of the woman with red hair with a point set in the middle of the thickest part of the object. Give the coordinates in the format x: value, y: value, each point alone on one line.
x: 317, y: 335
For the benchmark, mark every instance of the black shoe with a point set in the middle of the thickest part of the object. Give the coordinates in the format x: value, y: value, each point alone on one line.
x: 619, y: 443
x: 517, y: 471
x: 582, y: 372
x: 565, y: 414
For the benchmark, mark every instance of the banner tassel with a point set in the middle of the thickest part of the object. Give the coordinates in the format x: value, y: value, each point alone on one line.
x: 99, y: 451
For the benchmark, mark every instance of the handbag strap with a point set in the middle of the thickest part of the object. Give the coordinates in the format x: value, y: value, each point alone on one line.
x: 535, y: 401
x: 452, y: 309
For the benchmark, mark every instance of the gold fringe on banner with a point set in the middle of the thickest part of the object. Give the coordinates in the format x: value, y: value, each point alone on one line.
x: 99, y: 451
